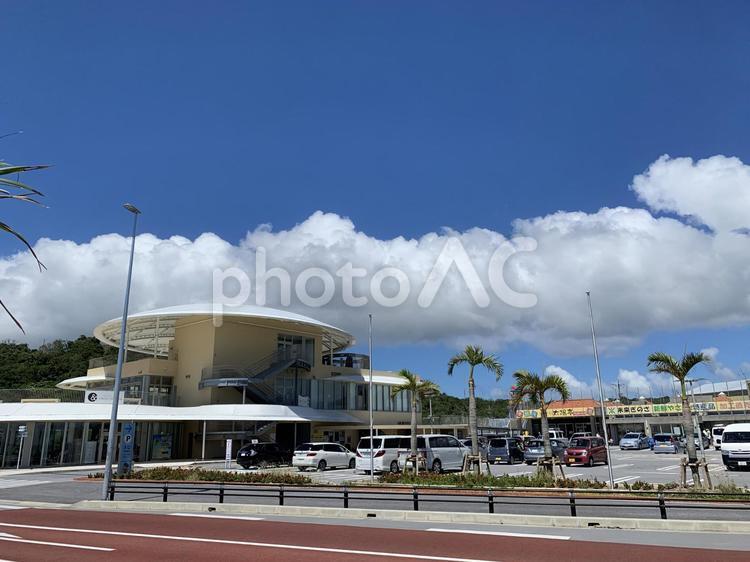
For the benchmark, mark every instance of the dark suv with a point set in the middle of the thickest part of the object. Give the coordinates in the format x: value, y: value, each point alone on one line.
x: 262, y: 454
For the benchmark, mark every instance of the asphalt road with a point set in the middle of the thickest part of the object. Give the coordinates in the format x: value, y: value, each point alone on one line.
x: 34, y: 534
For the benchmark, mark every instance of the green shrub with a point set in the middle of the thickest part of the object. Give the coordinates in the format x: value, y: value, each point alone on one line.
x: 540, y: 479
x: 164, y: 473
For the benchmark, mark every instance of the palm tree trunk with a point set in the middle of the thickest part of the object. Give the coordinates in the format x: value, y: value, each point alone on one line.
x: 687, y: 429
x: 545, y: 435
x: 473, y: 416
x: 413, y: 439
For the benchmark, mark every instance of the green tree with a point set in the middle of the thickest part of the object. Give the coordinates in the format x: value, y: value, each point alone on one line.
x: 17, y: 191
x: 474, y: 356
x: 664, y: 363
x: 418, y: 389
x: 532, y: 387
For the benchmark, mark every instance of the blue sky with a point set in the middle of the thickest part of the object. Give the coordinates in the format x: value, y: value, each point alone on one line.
x: 403, y: 117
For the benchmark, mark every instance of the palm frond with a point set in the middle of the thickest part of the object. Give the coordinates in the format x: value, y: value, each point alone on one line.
x: 9, y: 230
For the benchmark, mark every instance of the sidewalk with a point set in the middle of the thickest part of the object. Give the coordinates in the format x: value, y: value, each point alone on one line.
x: 100, y: 467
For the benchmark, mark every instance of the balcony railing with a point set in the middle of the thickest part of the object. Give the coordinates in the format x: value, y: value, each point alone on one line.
x: 57, y: 394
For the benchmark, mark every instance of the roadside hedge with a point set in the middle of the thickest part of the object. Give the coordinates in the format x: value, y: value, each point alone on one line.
x: 541, y: 479
x: 164, y: 473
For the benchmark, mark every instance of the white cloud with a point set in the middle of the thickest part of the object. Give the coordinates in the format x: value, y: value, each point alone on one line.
x: 714, y: 191
x: 646, y: 273
x: 717, y: 367
x: 577, y: 387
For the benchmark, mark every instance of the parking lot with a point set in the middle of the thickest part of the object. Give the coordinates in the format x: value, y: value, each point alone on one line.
x: 628, y: 467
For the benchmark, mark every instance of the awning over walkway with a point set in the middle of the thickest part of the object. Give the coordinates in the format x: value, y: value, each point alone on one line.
x: 65, y: 411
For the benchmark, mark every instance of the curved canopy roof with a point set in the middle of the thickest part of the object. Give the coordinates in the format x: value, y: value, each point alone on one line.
x: 151, y: 331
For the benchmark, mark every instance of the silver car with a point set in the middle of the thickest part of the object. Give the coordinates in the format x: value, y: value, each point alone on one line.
x: 535, y: 450
x: 634, y: 441
x: 667, y: 443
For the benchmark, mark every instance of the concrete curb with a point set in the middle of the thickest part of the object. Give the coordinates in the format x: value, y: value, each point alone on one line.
x: 422, y: 516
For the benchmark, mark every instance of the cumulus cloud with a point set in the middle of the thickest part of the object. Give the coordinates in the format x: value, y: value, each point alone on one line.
x: 646, y: 272
x: 577, y: 387
x: 717, y: 367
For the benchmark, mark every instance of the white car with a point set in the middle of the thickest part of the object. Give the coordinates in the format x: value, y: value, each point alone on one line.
x: 441, y: 452
x: 735, y: 446
x: 383, y: 457
x: 322, y: 455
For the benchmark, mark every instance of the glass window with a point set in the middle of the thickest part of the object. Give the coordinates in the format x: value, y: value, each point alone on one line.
x: 438, y: 442
x: 452, y: 442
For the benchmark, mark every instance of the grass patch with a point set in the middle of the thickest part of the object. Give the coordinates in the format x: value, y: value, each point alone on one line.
x: 202, y: 475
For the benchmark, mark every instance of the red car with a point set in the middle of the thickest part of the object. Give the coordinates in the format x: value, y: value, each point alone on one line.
x: 586, y: 450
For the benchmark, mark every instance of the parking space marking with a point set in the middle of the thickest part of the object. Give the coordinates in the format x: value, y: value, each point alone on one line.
x: 625, y: 479
x: 621, y: 466
x: 502, y: 534
x: 8, y: 483
x: 666, y: 468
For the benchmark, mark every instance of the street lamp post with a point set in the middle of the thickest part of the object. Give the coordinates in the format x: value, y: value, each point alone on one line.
x: 601, y: 393
x: 112, y: 437
x: 369, y: 394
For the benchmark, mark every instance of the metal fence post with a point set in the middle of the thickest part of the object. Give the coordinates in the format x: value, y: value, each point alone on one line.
x: 346, y: 497
x: 572, y: 501
x: 165, y: 492
x: 490, y: 500
x: 112, y: 492
x: 662, y: 506
x: 415, y: 495
x: 221, y: 492
x: 281, y: 494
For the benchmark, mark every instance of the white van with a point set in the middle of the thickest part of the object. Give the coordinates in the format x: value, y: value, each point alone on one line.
x: 384, y: 452
x: 556, y: 434
x: 443, y: 452
x: 735, y: 446
x: 716, y: 432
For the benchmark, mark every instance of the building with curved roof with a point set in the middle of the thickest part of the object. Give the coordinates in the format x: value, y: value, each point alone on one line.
x: 195, y: 377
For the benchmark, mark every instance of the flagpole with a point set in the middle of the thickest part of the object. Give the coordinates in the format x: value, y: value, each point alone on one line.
x: 601, y: 393
x: 372, y: 457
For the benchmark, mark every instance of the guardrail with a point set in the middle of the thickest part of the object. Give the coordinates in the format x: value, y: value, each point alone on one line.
x: 417, y: 497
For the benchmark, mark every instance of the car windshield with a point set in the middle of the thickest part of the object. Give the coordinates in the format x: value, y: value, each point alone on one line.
x: 365, y: 443
x: 582, y: 443
x: 663, y: 438
x: 309, y: 447
x: 497, y: 443
x: 735, y: 437
x: 718, y: 430
x: 632, y: 436
x: 536, y: 444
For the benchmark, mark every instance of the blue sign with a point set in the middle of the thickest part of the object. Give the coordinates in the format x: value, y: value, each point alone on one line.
x: 127, y: 443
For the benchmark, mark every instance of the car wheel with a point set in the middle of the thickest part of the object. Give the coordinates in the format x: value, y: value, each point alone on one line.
x: 437, y: 467
x: 394, y: 467
x: 511, y: 460
x: 301, y: 468
x: 591, y: 462
x: 529, y: 463
x: 322, y: 466
x: 352, y: 463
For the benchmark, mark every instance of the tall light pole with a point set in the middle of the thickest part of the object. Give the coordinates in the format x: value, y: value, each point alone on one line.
x: 601, y: 393
x: 112, y: 437
x: 369, y: 394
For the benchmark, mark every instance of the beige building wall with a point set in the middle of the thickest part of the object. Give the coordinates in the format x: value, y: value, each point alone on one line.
x: 194, y: 349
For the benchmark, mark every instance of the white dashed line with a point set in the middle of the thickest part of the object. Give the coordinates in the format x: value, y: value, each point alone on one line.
x: 502, y: 534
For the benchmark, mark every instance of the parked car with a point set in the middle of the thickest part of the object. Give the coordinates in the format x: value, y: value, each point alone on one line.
x: 555, y: 433
x: 482, y: 446
x: 716, y: 432
x: 262, y: 454
x: 735, y: 446
x: 384, y: 453
x: 634, y: 441
x: 504, y: 449
x: 322, y: 456
x: 441, y: 452
x: 581, y: 434
x: 586, y: 450
x: 535, y: 450
x: 666, y: 443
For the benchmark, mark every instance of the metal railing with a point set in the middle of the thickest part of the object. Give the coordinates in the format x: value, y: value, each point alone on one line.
x: 489, y: 498
x: 57, y: 394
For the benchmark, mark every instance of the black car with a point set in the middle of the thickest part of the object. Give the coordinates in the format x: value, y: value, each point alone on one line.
x: 262, y: 454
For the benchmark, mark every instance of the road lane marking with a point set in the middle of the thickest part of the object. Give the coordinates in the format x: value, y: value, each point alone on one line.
x: 621, y: 466
x: 60, y: 544
x: 576, y: 474
x: 501, y: 534
x: 3, y: 506
x: 665, y: 468
x: 207, y: 516
x: 248, y: 543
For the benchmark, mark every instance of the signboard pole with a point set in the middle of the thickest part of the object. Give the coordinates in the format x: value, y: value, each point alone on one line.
x: 127, y: 443
x: 601, y: 394
x: 228, y: 454
x: 22, y: 432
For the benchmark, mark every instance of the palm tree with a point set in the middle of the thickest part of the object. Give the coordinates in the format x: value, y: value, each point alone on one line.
x: 664, y: 363
x: 418, y: 389
x: 13, y: 189
x: 532, y: 387
x: 474, y: 356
